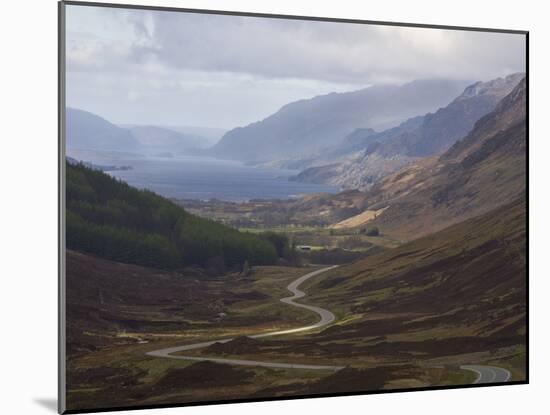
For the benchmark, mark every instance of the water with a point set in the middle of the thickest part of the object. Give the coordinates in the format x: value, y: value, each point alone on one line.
x: 204, y: 178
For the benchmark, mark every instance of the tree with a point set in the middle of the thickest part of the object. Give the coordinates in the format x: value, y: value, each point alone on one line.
x: 279, y: 241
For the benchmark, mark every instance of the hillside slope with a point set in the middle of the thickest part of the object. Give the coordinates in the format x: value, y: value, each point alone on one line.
x: 422, y: 309
x: 457, y: 296
x: 113, y: 220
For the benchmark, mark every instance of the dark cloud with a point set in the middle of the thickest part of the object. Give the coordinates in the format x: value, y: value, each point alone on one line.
x: 335, y: 52
x: 180, y: 68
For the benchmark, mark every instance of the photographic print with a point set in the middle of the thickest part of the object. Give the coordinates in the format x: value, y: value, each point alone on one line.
x: 262, y: 207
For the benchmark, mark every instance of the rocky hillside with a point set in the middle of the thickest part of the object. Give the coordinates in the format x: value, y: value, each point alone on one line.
x: 484, y: 170
x: 373, y: 156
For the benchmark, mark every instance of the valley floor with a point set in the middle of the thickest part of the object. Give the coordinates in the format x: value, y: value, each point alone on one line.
x: 409, y: 316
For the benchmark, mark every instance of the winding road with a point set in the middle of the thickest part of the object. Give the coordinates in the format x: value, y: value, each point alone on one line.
x: 326, y: 317
x: 486, y: 374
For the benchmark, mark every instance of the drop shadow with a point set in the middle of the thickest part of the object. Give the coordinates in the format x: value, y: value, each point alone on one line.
x: 48, y: 403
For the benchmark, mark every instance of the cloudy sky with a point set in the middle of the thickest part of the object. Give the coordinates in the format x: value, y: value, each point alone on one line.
x: 186, y: 69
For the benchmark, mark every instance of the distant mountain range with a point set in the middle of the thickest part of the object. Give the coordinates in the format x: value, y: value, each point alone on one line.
x: 303, y: 128
x: 210, y: 134
x: 484, y: 170
x: 363, y: 157
x: 158, y: 139
x: 87, y: 131
x: 333, y: 137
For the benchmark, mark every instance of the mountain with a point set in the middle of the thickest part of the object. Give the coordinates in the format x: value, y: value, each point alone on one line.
x: 88, y: 131
x: 155, y: 140
x: 302, y: 128
x: 368, y: 141
x: 380, y: 154
x: 440, y: 130
x: 210, y: 134
x: 510, y: 111
x: 484, y: 170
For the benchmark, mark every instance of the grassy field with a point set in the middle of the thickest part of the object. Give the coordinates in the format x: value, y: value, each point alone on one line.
x: 323, y: 237
x: 287, y: 229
